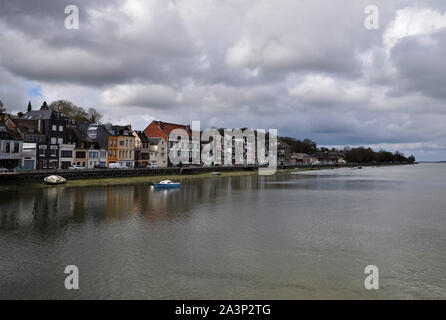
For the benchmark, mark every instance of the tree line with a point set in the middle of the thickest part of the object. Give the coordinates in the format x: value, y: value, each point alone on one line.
x: 352, y: 155
x: 368, y: 155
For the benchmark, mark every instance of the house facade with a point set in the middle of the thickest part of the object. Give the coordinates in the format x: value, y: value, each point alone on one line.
x: 283, y: 153
x: 160, y: 129
x: 11, y: 146
x: 106, y: 141
x: 328, y: 157
x: 29, y: 156
x: 158, y: 152
x: 66, y: 155
x: 126, y: 145
x: 142, y: 150
x: 53, y: 126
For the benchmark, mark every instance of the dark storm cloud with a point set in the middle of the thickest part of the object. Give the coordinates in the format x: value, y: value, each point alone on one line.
x: 420, y: 64
x: 308, y: 68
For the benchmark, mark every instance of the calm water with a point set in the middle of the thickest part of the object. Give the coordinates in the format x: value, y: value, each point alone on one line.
x: 290, y: 236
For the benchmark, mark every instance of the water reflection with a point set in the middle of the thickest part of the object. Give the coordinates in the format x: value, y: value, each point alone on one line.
x: 46, y: 210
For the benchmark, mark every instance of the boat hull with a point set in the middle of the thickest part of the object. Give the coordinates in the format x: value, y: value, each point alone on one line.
x: 54, y: 180
x: 167, y: 186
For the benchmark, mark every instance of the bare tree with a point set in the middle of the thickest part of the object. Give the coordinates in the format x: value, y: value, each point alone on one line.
x: 2, y: 111
x: 70, y: 110
x: 94, y: 116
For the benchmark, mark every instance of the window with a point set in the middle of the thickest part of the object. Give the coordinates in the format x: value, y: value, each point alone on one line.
x: 110, y: 153
x: 66, y: 153
x: 114, y: 142
x: 60, y: 140
x: 54, y: 127
x: 111, y: 143
x: 16, y: 147
x: 61, y: 128
x: 114, y: 153
x: 8, y: 147
x: 126, y: 143
x: 103, y: 154
x: 121, y: 143
x: 53, y: 152
x: 53, y: 140
x: 80, y: 154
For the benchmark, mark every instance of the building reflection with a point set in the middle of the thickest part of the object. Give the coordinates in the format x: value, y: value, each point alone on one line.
x: 49, y: 209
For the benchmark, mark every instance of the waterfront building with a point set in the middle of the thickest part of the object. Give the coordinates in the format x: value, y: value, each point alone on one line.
x: 126, y: 145
x: 158, y: 152
x: 86, y: 152
x: 11, y: 146
x: 29, y: 156
x: 327, y: 157
x: 103, y: 135
x: 66, y: 155
x: 283, y: 153
x: 50, y: 132
x: 142, y: 151
x: 150, y: 150
x: 160, y: 129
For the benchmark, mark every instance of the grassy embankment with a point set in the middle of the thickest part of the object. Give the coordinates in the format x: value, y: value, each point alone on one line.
x: 134, y: 180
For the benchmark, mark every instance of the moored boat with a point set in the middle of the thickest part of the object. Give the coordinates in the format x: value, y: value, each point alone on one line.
x: 167, y: 184
x: 54, y: 180
x: 216, y: 173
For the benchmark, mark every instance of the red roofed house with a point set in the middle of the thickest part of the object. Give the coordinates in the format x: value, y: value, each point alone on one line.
x: 160, y: 129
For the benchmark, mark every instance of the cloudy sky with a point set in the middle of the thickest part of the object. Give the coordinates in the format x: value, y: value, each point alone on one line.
x: 308, y: 68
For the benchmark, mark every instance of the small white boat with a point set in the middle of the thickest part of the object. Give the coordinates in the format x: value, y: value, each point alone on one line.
x: 54, y: 180
x: 167, y: 184
x: 216, y: 173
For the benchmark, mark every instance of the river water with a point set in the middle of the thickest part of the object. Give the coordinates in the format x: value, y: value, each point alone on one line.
x: 289, y: 236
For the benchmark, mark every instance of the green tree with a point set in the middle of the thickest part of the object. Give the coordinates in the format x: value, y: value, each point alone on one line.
x: 44, y: 106
x: 29, y: 106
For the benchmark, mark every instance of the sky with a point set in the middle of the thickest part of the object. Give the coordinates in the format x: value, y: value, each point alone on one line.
x: 309, y: 68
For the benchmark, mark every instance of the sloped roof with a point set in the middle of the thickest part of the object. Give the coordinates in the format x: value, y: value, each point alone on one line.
x: 7, y: 133
x: 24, y: 125
x: 39, y: 115
x: 81, y: 136
x: 167, y: 127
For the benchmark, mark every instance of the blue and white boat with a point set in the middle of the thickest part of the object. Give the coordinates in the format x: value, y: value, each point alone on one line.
x: 167, y: 184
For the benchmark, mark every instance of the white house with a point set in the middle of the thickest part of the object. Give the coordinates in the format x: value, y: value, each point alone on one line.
x: 29, y: 156
x: 97, y: 158
x: 66, y: 155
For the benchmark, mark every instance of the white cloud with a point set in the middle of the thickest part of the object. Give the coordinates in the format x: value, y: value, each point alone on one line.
x: 413, y: 21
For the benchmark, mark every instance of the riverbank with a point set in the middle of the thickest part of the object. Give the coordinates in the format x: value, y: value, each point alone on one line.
x: 149, y: 179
